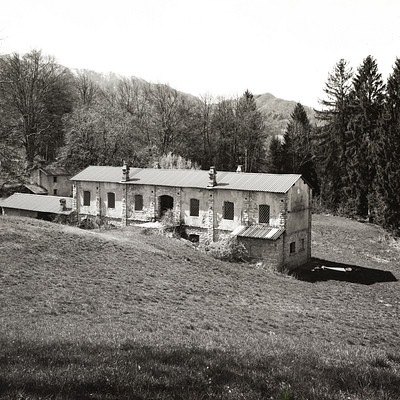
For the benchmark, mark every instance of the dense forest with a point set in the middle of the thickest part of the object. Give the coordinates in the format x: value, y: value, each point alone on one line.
x: 349, y: 154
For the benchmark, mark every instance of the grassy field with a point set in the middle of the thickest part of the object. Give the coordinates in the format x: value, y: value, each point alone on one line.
x: 128, y: 314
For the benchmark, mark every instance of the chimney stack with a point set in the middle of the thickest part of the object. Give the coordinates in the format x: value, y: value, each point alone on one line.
x: 63, y: 205
x: 125, y: 173
x: 239, y: 168
x: 212, y: 177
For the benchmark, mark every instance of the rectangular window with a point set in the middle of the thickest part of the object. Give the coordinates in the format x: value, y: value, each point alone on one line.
x: 229, y: 210
x: 111, y: 200
x: 302, y: 244
x: 292, y: 247
x: 86, y: 198
x: 55, y: 192
x: 194, y: 207
x: 263, y: 214
x: 54, y: 179
x: 138, y: 202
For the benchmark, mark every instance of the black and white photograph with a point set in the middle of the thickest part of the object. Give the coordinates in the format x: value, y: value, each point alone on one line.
x: 200, y: 200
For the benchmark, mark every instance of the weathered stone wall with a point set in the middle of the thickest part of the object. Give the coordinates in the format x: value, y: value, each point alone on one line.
x: 268, y: 251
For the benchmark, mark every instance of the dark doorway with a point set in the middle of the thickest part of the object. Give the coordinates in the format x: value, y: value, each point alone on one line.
x: 166, y: 203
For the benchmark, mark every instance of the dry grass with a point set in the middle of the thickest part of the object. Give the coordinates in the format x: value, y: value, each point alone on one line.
x: 128, y: 314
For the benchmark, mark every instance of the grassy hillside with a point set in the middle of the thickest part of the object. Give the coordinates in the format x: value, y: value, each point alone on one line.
x: 130, y: 314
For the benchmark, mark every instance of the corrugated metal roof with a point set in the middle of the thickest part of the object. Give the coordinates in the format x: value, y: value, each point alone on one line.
x: 99, y: 174
x: 275, y: 183
x: 33, y: 202
x: 261, y: 232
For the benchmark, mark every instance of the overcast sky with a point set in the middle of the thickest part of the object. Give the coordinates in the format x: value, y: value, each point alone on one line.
x: 217, y: 47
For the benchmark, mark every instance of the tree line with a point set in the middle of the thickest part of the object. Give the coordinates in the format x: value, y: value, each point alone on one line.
x: 352, y: 157
x: 51, y: 114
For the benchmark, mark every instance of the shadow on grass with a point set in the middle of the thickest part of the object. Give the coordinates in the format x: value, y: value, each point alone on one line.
x: 134, y: 371
x: 319, y: 270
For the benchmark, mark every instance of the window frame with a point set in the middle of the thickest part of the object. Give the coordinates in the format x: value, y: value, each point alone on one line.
x: 264, y: 212
x: 194, y: 207
x: 138, y: 199
x: 111, y: 204
x: 86, y: 198
x: 229, y: 212
x: 292, y: 247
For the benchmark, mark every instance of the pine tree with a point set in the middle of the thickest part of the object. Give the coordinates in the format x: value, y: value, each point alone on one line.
x: 333, y: 135
x: 297, y: 148
x: 251, y: 134
x: 275, y: 163
x: 387, y: 150
x: 366, y: 102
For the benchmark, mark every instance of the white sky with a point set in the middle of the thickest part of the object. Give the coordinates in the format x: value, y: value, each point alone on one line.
x: 218, y: 47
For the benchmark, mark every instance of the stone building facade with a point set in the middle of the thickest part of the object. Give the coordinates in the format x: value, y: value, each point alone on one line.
x: 270, y: 214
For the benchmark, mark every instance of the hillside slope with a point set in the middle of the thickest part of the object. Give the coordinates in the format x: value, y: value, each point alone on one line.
x: 150, y: 314
x: 54, y: 271
x: 277, y: 112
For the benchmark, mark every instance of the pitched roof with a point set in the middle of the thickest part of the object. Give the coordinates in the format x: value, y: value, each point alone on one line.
x: 36, y: 189
x: 33, y: 202
x: 275, y: 183
x: 260, y: 232
x: 53, y: 170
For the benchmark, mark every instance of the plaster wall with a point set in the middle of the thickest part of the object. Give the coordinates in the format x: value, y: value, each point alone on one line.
x: 149, y: 203
x: 246, y: 208
x: 19, y: 213
x: 105, y: 210
x: 300, y: 255
x: 298, y: 207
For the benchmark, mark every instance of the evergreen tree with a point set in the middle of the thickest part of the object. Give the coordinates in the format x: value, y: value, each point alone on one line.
x: 251, y: 150
x: 297, y: 148
x: 366, y: 102
x: 387, y: 150
x: 275, y: 163
x: 332, y: 136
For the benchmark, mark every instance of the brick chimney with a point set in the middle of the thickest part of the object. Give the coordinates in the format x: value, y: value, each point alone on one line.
x: 212, y: 174
x: 239, y: 168
x: 125, y: 173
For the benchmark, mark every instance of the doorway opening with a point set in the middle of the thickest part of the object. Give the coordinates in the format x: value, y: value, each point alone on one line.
x: 166, y: 203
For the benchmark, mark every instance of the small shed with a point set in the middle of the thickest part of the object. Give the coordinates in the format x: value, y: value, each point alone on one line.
x: 34, y: 206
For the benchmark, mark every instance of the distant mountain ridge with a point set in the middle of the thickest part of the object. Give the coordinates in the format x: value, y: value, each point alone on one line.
x: 277, y: 112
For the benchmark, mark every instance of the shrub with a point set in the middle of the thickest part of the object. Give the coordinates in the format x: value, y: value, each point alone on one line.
x: 169, y: 225
x: 228, y: 249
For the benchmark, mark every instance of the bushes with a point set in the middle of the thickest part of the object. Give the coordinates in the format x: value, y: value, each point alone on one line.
x: 228, y: 249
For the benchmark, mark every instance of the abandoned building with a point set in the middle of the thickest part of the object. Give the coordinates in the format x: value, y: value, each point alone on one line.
x: 35, y: 206
x: 269, y: 213
x: 49, y: 180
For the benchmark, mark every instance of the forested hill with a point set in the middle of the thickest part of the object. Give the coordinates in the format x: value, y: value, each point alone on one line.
x: 277, y: 112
